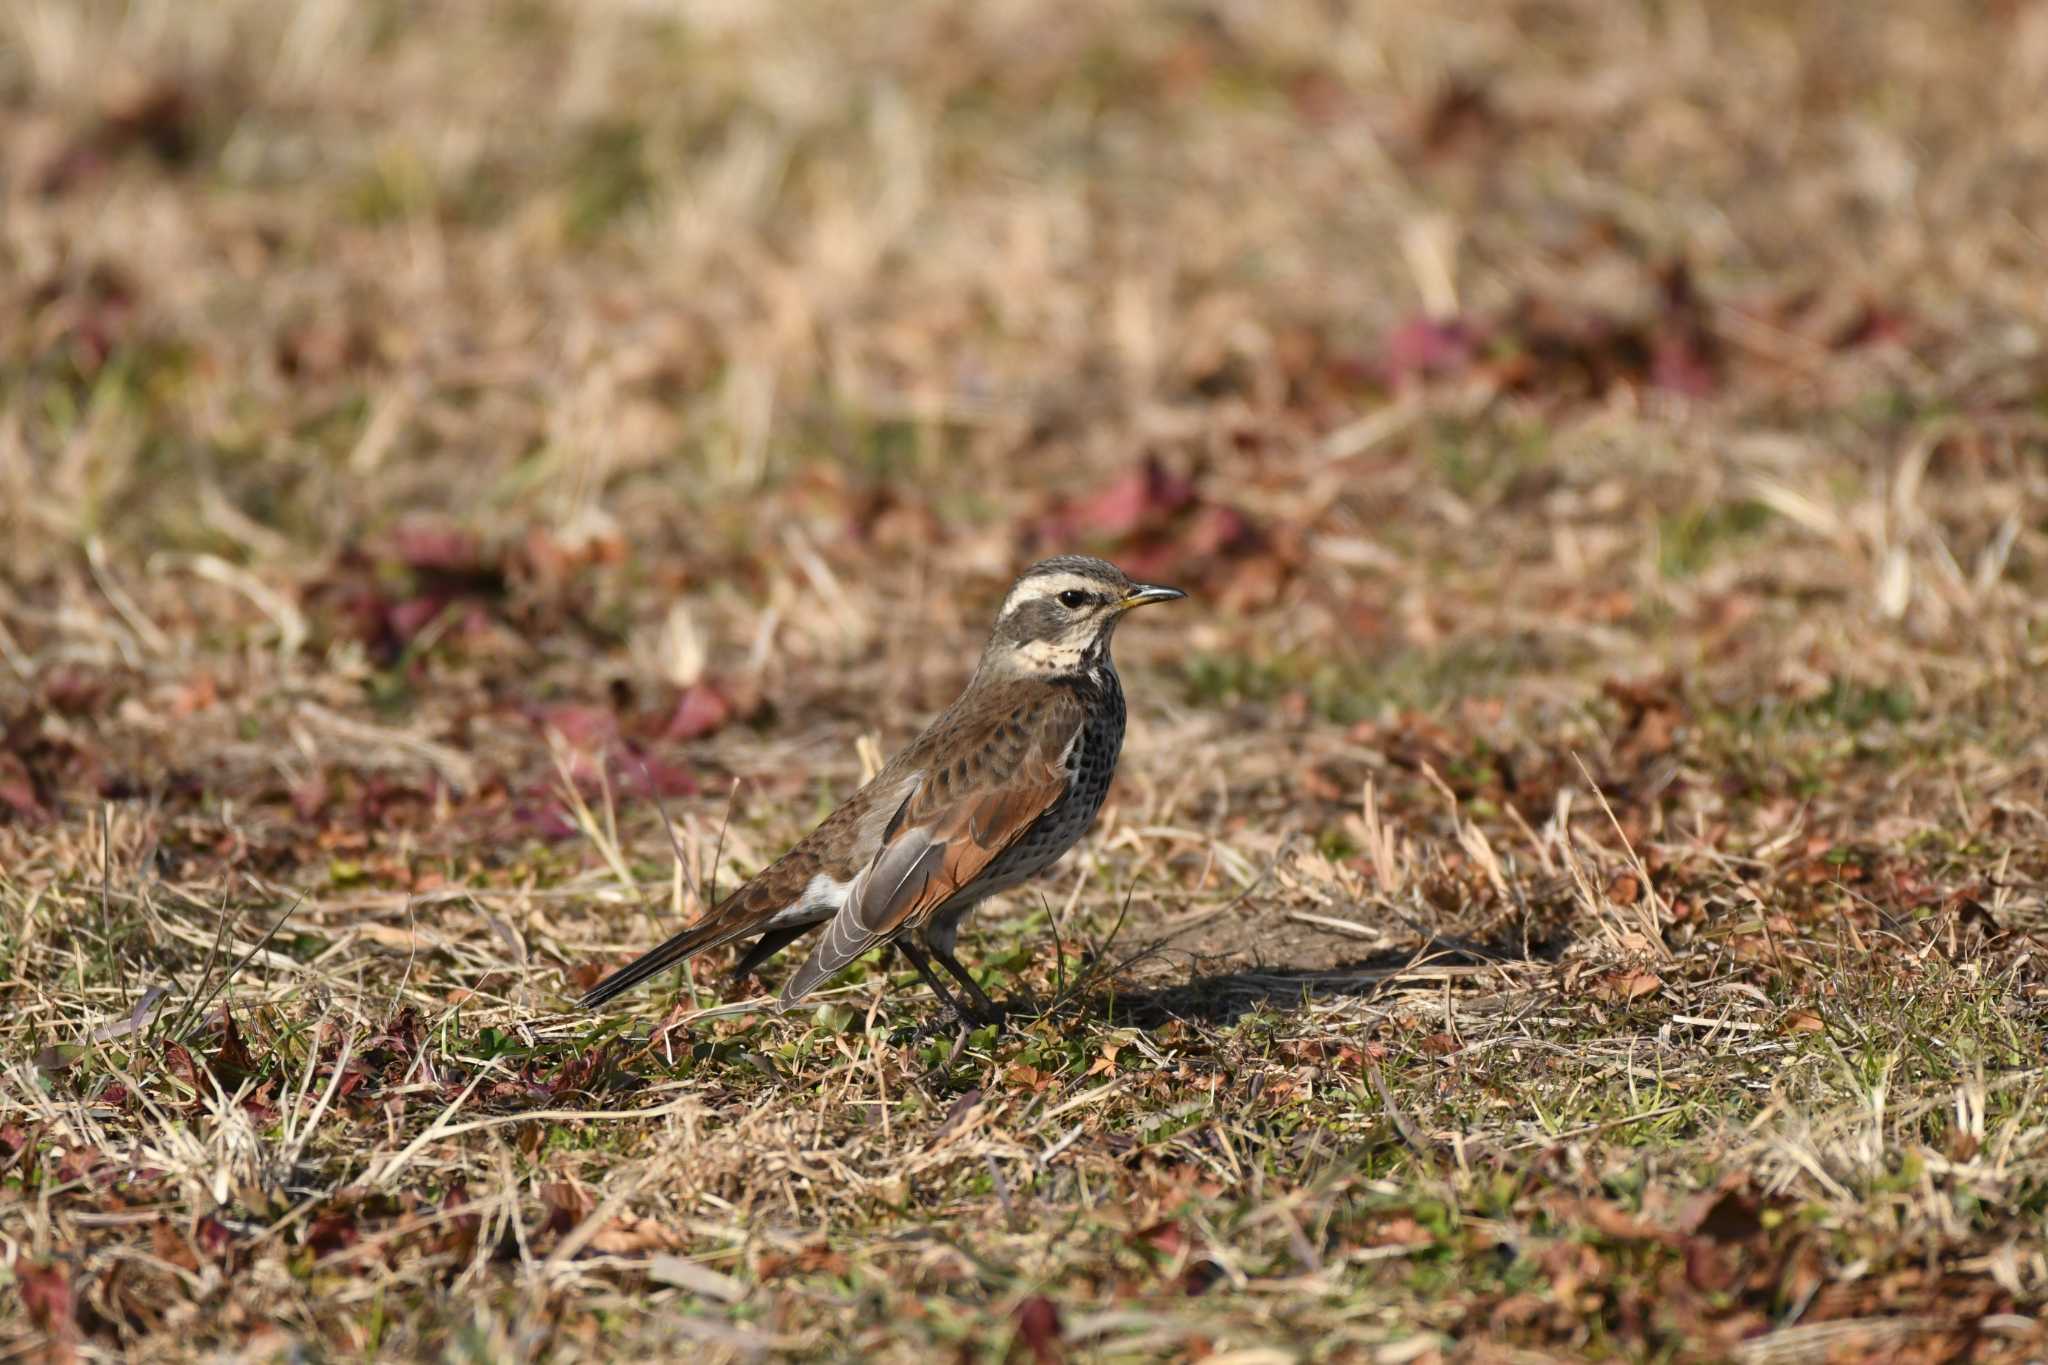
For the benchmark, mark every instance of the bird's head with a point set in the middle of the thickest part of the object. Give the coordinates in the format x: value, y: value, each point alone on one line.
x: 1060, y: 615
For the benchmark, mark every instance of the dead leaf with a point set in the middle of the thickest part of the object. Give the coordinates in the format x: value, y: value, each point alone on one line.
x: 957, y: 1115
x: 1039, y: 1331
x: 1626, y: 987
x: 567, y: 1205
x: 628, y: 1235
x: 1728, y: 1213
x: 1105, y: 1065
x: 45, y: 1291
x: 700, y: 709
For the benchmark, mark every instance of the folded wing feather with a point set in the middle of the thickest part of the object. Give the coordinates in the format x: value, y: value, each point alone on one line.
x: 941, y: 841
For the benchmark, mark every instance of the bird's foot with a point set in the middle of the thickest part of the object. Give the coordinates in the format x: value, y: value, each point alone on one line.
x: 911, y: 1035
x: 962, y: 1024
x: 986, y: 1015
x: 960, y: 1016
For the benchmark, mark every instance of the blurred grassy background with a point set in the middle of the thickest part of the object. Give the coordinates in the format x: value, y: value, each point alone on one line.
x: 431, y: 434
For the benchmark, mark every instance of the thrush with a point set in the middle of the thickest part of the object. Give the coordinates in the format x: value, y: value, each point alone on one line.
x: 1006, y: 780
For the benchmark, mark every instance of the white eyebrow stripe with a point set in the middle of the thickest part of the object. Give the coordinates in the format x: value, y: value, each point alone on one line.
x: 1042, y: 586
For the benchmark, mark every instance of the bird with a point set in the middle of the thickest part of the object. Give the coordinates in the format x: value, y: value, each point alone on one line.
x: 994, y: 791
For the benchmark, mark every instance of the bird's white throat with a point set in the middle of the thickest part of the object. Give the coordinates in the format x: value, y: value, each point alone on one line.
x: 1051, y: 657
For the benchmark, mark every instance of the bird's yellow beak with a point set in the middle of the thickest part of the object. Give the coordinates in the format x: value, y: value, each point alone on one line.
x: 1142, y: 593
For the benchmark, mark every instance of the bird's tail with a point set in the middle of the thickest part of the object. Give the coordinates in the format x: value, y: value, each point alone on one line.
x: 708, y: 932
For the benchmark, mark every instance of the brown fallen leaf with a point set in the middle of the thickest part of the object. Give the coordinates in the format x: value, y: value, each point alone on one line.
x: 627, y: 1235
x: 46, y: 1293
x: 1039, y: 1331
x: 1625, y: 987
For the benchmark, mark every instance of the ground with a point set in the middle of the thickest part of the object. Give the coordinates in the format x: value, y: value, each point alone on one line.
x: 477, y: 478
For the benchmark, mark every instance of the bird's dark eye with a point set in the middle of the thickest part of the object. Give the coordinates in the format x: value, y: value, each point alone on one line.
x: 1073, y: 599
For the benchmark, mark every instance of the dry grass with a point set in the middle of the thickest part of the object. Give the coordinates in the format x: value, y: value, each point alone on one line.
x: 472, y: 474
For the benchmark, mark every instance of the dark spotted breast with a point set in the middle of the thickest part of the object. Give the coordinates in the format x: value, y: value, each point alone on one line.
x: 1090, y: 766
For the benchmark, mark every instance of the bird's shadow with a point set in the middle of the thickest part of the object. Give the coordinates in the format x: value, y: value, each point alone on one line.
x: 1223, y: 997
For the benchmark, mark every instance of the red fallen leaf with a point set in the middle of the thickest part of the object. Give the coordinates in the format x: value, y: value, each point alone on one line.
x: 379, y: 801
x: 18, y: 789
x: 234, y: 1056
x: 78, y: 1163
x: 1401, y: 1231
x: 584, y: 727
x: 332, y: 1231
x: 46, y: 1293
x: 213, y: 1237
x: 1681, y: 363
x: 437, y: 548
x: 166, y: 1245
x: 261, y: 1105
x: 309, y: 797
x: 546, y: 818
x: 567, y: 1205
x: 1709, y: 1267
x: 700, y: 710
x: 1217, y: 529
x: 74, y: 691
x: 545, y: 558
x: 401, y: 1037
x: 1039, y: 1330
x: 89, y: 318
x: 1319, y: 96
x: 1426, y: 348
x: 179, y: 1066
x: 1169, y: 1238
x: 1200, y: 1274
x: 573, y: 1073
x: 13, y: 1142
x: 1144, y: 495
x: 648, y: 775
x: 1873, y: 325
x: 198, y: 693
x: 461, y: 1231
x: 1685, y: 357
x: 1613, y: 1221
x: 405, y: 620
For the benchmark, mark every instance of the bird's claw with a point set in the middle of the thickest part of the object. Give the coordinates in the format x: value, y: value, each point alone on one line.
x: 912, y: 1035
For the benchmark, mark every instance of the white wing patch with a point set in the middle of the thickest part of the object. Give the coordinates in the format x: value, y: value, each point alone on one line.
x: 820, y: 900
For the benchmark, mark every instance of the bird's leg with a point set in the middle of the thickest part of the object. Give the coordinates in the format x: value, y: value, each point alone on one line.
x: 989, y: 1010
x: 924, y: 969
